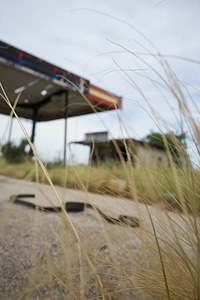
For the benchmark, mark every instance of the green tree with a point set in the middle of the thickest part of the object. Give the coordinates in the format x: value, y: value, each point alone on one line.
x: 15, y: 153
x: 175, y: 143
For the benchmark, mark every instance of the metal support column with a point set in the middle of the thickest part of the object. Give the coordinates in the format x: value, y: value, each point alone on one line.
x: 65, y: 129
x: 33, y: 129
x: 10, y: 130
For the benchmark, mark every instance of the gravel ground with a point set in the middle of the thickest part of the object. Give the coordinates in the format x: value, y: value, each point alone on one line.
x: 41, y: 256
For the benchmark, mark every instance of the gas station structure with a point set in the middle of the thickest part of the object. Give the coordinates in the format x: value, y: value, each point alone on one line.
x: 46, y: 92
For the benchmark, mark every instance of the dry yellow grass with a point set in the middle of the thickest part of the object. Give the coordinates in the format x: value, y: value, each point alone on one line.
x: 63, y: 256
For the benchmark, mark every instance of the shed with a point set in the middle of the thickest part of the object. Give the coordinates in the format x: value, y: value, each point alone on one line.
x: 130, y: 150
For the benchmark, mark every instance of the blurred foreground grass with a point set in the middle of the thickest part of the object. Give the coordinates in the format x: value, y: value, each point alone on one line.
x: 68, y: 257
x: 83, y: 258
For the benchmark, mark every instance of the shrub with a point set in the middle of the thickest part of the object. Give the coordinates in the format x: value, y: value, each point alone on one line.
x: 15, y: 153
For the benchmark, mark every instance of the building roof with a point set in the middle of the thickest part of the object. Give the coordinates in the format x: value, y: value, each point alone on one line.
x: 119, y: 142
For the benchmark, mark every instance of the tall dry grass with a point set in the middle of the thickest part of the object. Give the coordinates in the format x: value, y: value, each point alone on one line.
x: 65, y: 257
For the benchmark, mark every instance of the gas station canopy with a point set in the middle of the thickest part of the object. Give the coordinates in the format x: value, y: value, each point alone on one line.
x: 47, y: 92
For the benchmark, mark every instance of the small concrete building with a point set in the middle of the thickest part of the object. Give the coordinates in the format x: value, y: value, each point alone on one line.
x: 103, y: 149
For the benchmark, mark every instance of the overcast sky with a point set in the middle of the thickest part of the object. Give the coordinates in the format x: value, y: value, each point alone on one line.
x: 114, y: 44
